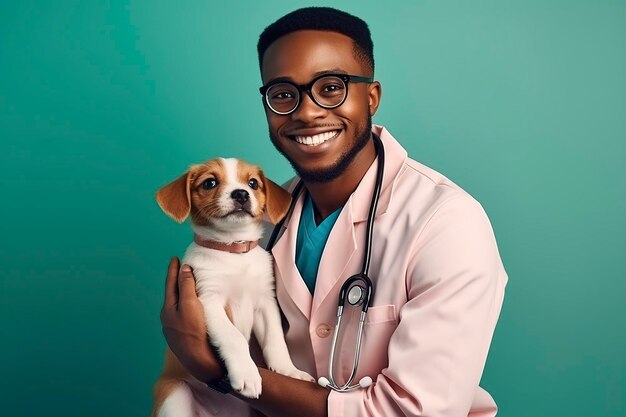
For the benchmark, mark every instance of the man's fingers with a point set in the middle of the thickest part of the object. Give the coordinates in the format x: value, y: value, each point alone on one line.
x: 186, y: 284
x: 171, y: 285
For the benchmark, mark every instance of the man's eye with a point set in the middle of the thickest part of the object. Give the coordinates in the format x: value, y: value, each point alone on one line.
x: 209, y: 184
x: 253, y: 183
x: 282, y: 96
x: 331, y: 89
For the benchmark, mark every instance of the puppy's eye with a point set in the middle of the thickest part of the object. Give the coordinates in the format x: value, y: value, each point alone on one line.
x: 209, y: 184
x: 253, y: 183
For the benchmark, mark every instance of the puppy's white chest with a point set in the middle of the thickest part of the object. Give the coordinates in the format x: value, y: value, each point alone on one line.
x: 231, y: 276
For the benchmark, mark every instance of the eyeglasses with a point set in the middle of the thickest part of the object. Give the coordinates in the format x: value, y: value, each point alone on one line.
x: 327, y: 91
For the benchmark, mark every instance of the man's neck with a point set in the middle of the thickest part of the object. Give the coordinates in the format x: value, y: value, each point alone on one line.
x: 329, y: 196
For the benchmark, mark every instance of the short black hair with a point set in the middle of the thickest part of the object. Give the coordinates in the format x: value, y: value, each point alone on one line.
x: 326, y: 19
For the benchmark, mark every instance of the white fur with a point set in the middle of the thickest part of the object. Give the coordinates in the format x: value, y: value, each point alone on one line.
x: 245, y: 283
x: 179, y: 403
x: 232, y: 184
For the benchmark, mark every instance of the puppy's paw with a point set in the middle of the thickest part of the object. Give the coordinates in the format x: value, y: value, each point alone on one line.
x: 245, y: 379
x: 293, y: 372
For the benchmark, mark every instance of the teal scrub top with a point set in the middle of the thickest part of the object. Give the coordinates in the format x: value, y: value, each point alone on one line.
x: 311, y: 241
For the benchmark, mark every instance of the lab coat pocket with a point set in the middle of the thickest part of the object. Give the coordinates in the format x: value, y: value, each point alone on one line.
x: 381, y: 314
x: 380, y: 323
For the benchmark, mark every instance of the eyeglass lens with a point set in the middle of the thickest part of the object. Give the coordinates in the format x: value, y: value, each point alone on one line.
x: 327, y: 92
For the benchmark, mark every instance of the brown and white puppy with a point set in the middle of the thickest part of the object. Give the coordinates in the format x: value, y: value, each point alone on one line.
x: 226, y: 199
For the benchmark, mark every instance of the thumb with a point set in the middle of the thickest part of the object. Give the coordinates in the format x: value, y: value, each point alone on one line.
x: 186, y: 284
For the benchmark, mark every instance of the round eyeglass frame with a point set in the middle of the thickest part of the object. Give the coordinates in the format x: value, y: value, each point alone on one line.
x: 346, y: 78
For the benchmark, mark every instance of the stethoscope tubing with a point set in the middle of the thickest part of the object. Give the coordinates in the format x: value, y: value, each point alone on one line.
x: 365, y: 299
x: 357, y: 354
x: 380, y: 151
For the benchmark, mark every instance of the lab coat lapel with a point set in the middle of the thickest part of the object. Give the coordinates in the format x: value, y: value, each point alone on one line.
x: 341, y: 259
x: 338, y: 252
x: 287, y: 273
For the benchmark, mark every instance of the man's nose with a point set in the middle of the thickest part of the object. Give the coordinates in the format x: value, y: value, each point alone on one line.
x: 308, y: 109
x: 240, y: 196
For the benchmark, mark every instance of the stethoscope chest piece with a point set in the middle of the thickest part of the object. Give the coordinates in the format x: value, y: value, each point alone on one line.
x: 356, y: 295
x: 357, y: 290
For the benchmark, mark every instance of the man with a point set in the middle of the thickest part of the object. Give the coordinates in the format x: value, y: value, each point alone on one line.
x: 437, y: 275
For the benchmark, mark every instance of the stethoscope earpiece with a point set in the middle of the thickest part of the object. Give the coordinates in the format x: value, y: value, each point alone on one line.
x: 365, y: 382
x: 323, y: 382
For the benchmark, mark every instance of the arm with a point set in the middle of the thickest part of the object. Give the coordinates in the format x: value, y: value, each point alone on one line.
x: 455, y: 284
x: 182, y: 318
x: 283, y: 396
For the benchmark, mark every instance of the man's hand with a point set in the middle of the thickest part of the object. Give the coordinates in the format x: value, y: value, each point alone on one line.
x: 182, y: 318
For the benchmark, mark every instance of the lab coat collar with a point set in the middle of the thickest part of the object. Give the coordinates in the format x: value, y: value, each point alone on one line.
x: 395, y: 157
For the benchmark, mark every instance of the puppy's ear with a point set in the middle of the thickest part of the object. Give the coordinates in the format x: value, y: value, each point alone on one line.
x: 277, y: 200
x: 175, y: 198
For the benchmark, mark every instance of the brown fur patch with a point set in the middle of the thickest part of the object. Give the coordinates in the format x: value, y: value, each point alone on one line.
x: 204, y: 203
x: 278, y: 200
x: 174, y: 198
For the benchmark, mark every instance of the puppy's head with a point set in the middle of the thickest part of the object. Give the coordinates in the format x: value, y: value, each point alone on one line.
x: 223, y: 191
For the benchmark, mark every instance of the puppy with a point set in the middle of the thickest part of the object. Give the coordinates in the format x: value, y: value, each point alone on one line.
x: 226, y: 199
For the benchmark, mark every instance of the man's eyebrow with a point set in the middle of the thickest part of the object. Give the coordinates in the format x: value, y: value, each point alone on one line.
x: 330, y: 71
x: 315, y: 74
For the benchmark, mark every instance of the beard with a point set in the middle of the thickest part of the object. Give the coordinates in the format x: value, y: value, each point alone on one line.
x: 321, y: 175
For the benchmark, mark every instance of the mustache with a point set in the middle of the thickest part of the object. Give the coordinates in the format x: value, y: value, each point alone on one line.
x: 316, y: 125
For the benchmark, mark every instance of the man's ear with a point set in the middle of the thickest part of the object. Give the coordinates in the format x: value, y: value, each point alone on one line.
x: 175, y: 198
x: 277, y: 200
x: 375, y: 93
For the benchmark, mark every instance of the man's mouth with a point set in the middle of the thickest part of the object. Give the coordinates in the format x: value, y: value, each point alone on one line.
x: 317, y: 139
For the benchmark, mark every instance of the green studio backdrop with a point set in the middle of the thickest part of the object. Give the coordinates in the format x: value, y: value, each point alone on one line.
x: 522, y: 103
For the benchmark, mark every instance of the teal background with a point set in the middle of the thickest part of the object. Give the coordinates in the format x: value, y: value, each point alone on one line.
x: 522, y: 103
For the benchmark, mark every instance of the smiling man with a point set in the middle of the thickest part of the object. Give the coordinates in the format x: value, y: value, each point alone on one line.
x: 324, y: 132
x: 437, y: 278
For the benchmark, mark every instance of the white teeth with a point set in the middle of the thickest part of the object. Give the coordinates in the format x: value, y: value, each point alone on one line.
x: 316, y: 139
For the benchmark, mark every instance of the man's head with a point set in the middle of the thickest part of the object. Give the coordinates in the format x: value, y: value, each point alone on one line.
x: 320, y: 137
x: 323, y: 19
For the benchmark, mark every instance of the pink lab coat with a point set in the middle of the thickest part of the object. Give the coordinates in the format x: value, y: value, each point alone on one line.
x: 438, y: 289
x: 439, y: 285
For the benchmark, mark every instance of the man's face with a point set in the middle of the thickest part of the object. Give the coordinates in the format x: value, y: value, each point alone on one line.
x: 299, y: 57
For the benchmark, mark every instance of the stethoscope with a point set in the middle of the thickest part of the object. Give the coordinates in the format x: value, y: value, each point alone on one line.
x: 356, y: 290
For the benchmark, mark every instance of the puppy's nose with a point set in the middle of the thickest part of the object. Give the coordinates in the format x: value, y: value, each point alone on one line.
x: 240, y: 196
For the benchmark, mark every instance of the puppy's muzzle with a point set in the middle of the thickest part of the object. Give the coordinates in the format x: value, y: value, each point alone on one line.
x: 241, y: 200
x: 240, y: 196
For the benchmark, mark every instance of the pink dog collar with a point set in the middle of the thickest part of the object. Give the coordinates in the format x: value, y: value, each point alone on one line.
x: 241, y: 246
